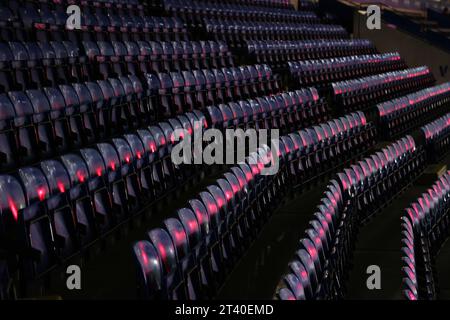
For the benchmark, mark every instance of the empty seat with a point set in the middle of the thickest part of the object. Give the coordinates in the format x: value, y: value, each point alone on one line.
x: 66, y: 230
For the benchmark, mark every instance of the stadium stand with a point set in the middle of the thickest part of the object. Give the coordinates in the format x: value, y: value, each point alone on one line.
x: 89, y: 119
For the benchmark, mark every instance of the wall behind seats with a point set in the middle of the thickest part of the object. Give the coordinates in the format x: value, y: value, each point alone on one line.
x: 295, y: 3
x: 414, y: 50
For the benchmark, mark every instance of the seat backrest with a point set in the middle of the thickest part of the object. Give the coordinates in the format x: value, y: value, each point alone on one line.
x: 211, y: 208
x: 165, y: 248
x: 219, y: 199
x: 203, y: 219
x: 308, y: 263
x: 7, y: 111
x: 83, y: 93
x: 286, y: 294
x: 299, y: 270
x: 38, y: 101
x: 149, y: 269
x: 94, y: 161
x: 33, y: 50
x: 123, y: 151
x: 12, y: 201
x: 191, y: 226
x: 95, y: 92
x: 34, y: 184
x: 18, y: 50
x: 110, y: 156
x: 76, y: 167
x: 21, y: 104
x: 179, y: 237
x: 57, y: 176
x: 295, y: 286
x: 137, y: 148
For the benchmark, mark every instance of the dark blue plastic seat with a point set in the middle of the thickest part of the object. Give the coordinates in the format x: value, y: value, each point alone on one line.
x: 38, y: 231
x: 149, y: 272
x: 172, y: 276
x: 66, y: 230
x: 115, y: 180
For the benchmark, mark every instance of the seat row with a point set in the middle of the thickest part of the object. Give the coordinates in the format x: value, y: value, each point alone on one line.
x: 320, y: 267
x: 118, y: 6
x: 192, y: 12
x: 191, y: 255
x: 277, y: 53
x: 318, y: 150
x: 31, y: 65
x: 425, y: 227
x: 366, y: 92
x: 118, y: 57
x: 41, y: 123
x: 236, y: 33
x: 31, y: 21
x: 287, y: 111
x: 323, y: 71
x: 437, y: 137
x: 283, y: 4
x: 58, y: 208
x: 180, y: 91
x: 405, y: 113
